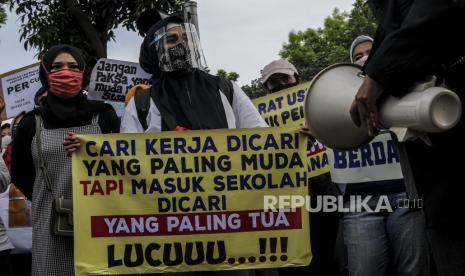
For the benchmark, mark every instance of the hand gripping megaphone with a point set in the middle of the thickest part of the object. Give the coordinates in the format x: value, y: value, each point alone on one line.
x: 425, y: 109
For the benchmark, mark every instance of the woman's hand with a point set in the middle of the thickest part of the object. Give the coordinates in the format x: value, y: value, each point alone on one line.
x: 71, y: 143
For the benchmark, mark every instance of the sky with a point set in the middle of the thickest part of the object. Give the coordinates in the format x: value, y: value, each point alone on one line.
x: 235, y: 37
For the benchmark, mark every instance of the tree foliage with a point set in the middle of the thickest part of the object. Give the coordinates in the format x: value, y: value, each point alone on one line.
x: 255, y: 89
x: 314, y: 49
x: 232, y: 76
x: 86, y: 24
x: 2, y: 12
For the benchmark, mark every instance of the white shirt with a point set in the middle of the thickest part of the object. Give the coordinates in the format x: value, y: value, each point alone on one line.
x: 242, y: 114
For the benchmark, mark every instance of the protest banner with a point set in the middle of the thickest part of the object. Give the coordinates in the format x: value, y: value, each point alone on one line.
x: 286, y: 108
x: 318, y: 160
x: 111, y: 79
x: 375, y: 161
x: 283, y: 108
x: 188, y: 201
x: 17, y: 90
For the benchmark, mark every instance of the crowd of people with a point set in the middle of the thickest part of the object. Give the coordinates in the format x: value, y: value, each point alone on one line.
x: 37, y: 146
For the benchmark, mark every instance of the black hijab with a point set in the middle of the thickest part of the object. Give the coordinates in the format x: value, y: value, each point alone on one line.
x: 190, y: 99
x: 73, y: 111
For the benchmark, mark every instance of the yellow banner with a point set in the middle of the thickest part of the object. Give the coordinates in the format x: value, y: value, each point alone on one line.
x: 286, y: 108
x: 283, y: 108
x: 189, y: 201
x: 318, y: 162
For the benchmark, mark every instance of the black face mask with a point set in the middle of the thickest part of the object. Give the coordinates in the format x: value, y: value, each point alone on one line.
x: 282, y: 87
x: 179, y: 57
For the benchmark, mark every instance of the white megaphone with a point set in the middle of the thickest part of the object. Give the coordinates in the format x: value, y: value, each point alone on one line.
x: 425, y: 109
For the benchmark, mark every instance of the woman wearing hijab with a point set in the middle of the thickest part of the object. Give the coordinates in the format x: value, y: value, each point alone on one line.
x: 42, y: 137
x: 183, y: 96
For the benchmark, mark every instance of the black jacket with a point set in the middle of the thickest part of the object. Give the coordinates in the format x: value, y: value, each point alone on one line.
x: 414, y: 38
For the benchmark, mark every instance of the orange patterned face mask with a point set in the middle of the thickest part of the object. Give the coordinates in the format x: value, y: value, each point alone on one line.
x: 65, y: 83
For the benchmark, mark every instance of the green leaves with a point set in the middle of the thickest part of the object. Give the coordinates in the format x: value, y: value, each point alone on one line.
x: 2, y: 12
x: 314, y: 49
x: 232, y: 76
x: 255, y: 89
x: 86, y: 24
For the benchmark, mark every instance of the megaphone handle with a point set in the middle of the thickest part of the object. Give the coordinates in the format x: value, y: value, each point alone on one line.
x: 409, y: 181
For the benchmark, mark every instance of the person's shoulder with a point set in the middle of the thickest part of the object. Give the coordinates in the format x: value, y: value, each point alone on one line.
x: 27, y: 125
x: 108, y: 120
x: 207, y: 75
x: 28, y: 120
x: 134, y: 90
x: 108, y: 110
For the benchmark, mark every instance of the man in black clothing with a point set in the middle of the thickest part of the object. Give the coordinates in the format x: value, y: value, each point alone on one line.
x: 410, y: 45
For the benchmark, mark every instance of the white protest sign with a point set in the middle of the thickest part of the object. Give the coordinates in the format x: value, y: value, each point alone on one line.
x: 111, y: 79
x: 18, y: 88
x: 376, y: 161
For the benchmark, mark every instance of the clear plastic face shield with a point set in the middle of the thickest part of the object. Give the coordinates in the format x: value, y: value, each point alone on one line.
x: 178, y: 48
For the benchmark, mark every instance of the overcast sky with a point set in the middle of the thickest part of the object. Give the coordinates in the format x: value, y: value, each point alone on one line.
x: 241, y: 36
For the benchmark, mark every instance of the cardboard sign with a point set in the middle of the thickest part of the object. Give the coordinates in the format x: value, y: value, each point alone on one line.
x: 111, y: 79
x: 17, y: 90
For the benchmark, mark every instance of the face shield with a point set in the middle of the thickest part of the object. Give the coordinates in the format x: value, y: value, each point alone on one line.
x: 178, y: 48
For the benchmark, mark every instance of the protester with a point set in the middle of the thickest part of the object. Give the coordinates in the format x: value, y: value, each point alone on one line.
x: 276, y: 76
x: 360, y: 49
x: 5, y: 147
x: 42, y: 138
x: 4, y: 143
x: 6, y: 130
x: 279, y: 75
x: 5, y: 244
x: 183, y: 96
x: 378, y: 240
x: 408, y: 47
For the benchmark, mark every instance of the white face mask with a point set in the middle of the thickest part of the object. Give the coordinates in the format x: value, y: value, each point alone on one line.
x: 361, y: 61
x: 6, y: 140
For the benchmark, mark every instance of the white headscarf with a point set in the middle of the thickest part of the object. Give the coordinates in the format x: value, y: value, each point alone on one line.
x: 356, y: 42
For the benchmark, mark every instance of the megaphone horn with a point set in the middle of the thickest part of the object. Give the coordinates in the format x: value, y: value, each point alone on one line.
x: 425, y: 109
